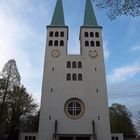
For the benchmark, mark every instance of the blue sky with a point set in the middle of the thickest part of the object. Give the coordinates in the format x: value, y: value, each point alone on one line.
x: 23, y: 35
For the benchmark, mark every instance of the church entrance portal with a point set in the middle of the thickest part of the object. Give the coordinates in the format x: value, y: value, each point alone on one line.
x: 75, y: 138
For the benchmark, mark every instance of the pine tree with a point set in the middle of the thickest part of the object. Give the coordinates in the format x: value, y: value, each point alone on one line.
x: 9, y: 77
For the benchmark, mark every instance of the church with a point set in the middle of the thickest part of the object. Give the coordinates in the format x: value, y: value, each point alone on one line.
x: 74, y: 96
x: 74, y: 103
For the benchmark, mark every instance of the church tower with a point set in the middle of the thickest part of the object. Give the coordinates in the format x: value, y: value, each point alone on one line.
x: 74, y: 96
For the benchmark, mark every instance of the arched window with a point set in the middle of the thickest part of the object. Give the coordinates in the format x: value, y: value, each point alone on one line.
x: 97, y: 90
x: 62, y: 34
x: 50, y: 43
x: 56, y: 34
x: 113, y: 138
x: 91, y: 34
x: 26, y: 137
x: 52, y: 68
x: 74, y: 64
x: 51, y: 34
x: 92, y: 43
x: 86, y: 43
x: 68, y: 76
x: 80, y: 77
x: 79, y: 64
x: 97, y: 43
x: 68, y: 64
x: 96, y: 34
x: 74, y: 77
x: 61, y: 43
x: 86, y: 34
x: 56, y: 43
x: 33, y: 138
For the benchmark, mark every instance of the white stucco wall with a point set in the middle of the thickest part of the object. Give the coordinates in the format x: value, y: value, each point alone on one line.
x: 117, y: 135
x: 23, y: 135
x: 52, y: 103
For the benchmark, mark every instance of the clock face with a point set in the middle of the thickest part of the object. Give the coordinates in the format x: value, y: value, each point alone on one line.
x: 93, y: 53
x: 55, y: 53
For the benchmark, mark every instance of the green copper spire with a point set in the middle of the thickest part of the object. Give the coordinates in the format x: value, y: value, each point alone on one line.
x: 89, y: 18
x: 58, y: 16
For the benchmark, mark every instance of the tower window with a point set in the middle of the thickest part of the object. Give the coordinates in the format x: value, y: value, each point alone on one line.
x: 86, y: 34
x: 97, y: 90
x: 62, y: 34
x: 68, y: 77
x: 91, y: 34
x: 80, y: 77
x: 86, y: 43
x: 79, y: 64
x: 30, y: 137
x: 51, y: 89
x: 68, y: 64
x: 50, y: 117
x: 52, y: 68
x: 56, y: 34
x: 97, y: 43
x: 51, y: 34
x: 61, y: 43
x: 50, y: 43
x: 74, y: 77
x: 74, y: 64
x: 95, y: 69
x: 113, y: 138
x: 33, y: 137
x: 96, y: 34
x: 26, y: 137
x: 92, y: 43
x: 56, y: 43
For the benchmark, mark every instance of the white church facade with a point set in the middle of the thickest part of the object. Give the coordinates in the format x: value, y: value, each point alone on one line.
x: 74, y: 96
x: 74, y: 103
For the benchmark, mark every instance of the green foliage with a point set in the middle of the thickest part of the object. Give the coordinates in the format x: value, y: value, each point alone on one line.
x: 14, y: 99
x: 120, y: 119
x: 9, y: 77
x: 117, y: 8
x: 20, y: 102
x: 10, y: 74
x: 32, y: 123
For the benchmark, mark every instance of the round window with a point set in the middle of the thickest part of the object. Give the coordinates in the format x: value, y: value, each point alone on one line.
x: 74, y: 108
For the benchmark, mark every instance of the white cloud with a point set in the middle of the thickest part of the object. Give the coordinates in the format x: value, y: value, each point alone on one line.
x: 124, y: 73
x: 19, y: 41
x: 135, y: 48
x: 106, y: 51
x: 11, y: 33
x: 126, y: 93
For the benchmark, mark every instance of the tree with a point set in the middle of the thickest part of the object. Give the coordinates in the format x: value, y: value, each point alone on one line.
x: 138, y: 121
x: 9, y: 77
x: 119, y: 7
x: 14, y: 101
x: 32, y: 123
x: 20, y: 102
x: 120, y: 119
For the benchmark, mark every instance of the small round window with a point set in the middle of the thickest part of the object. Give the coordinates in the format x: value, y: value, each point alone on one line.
x: 74, y: 108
